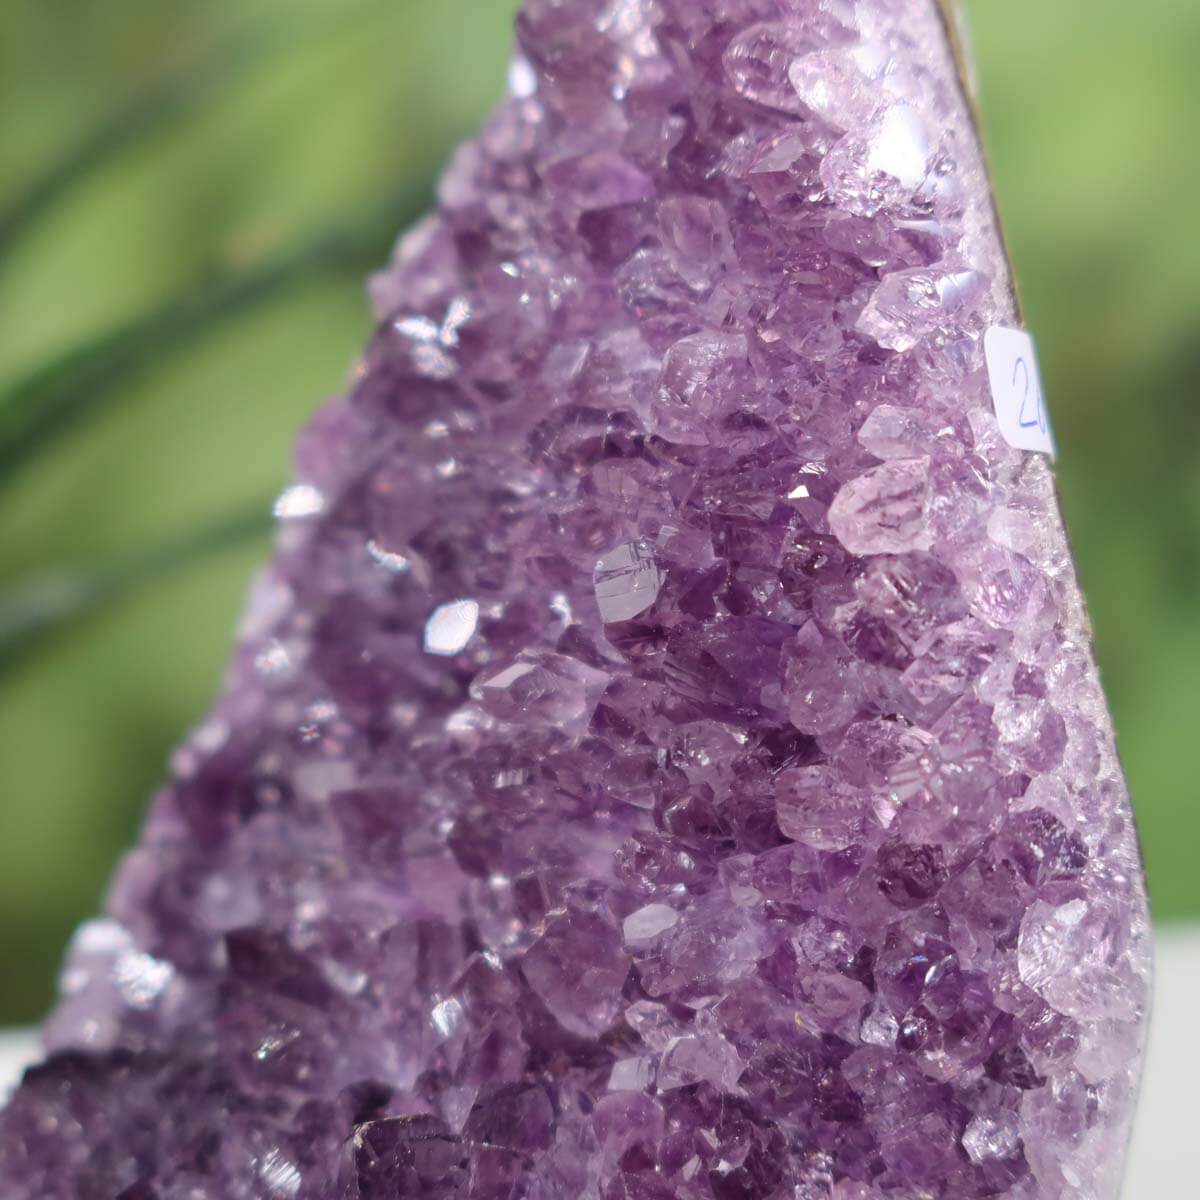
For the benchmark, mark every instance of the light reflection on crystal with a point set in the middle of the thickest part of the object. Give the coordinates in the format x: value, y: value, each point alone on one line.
x: 451, y: 627
x: 627, y: 582
x: 300, y: 500
x: 389, y: 559
x: 141, y: 978
x: 447, y: 1016
x: 901, y: 146
x: 280, y: 1176
x: 273, y: 658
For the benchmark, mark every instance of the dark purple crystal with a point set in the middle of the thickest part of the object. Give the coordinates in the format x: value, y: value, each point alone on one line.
x: 664, y: 759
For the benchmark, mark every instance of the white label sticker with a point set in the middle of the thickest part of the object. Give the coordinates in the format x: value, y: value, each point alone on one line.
x: 1017, y: 390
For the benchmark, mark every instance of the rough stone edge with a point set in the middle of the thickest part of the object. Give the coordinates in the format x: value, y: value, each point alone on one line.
x: 954, y: 20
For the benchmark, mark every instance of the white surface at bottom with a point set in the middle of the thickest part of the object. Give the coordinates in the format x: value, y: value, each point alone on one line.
x: 1163, y: 1159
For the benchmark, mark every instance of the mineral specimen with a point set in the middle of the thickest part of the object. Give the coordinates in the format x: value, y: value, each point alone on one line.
x: 664, y: 759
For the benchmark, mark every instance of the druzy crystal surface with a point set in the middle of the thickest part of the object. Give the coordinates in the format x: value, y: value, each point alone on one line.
x: 664, y: 759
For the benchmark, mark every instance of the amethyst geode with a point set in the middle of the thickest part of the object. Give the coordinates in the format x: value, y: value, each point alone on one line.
x: 664, y: 760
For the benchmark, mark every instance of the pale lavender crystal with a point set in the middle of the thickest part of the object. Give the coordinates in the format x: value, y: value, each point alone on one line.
x: 664, y: 760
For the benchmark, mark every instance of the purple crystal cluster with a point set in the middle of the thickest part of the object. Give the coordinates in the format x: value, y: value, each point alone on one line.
x: 664, y: 760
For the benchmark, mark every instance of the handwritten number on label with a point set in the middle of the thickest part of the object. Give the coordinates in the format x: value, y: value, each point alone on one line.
x: 1016, y: 387
x: 1029, y: 394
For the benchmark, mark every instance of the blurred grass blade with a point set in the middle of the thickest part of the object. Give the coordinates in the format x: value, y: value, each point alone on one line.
x: 33, y: 611
x: 158, y: 107
x: 56, y: 398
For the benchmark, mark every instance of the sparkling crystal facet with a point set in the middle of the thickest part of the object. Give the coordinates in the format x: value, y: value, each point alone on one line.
x: 664, y: 760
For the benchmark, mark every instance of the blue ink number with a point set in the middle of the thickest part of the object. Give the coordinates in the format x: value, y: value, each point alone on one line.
x: 1033, y: 408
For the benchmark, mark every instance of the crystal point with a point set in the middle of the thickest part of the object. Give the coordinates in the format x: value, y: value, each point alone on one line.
x: 663, y: 759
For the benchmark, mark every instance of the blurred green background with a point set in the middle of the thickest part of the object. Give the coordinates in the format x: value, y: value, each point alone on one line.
x: 190, y: 194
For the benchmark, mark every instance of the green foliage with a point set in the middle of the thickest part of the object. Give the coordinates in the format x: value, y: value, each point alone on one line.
x: 189, y: 195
